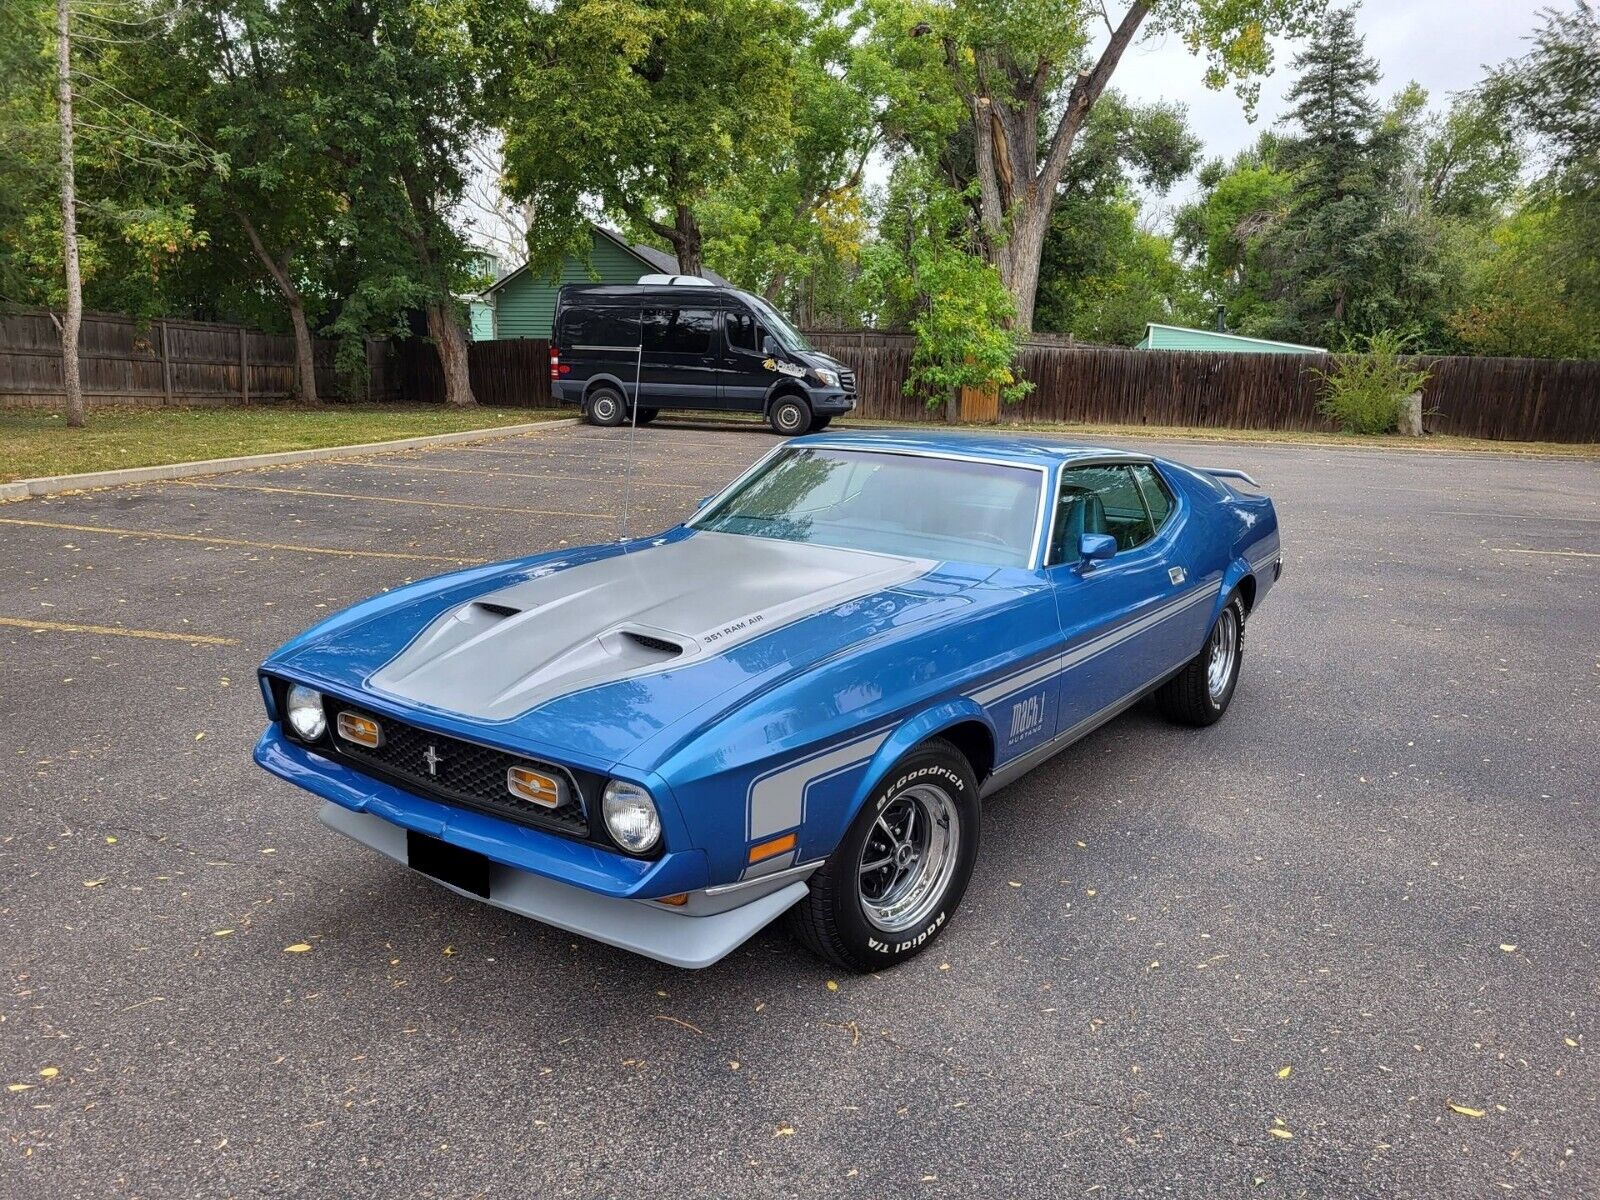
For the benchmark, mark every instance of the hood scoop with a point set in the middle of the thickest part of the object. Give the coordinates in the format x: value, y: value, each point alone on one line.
x: 496, y: 610
x: 659, y: 647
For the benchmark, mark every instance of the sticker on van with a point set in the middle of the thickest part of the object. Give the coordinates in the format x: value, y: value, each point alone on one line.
x: 783, y: 368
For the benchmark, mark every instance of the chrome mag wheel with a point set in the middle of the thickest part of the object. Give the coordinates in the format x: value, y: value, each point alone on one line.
x: 909, y: 858
x: 1224, y: 654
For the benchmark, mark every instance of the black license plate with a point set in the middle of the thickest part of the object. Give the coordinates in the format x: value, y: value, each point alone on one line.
x: 465, y: 869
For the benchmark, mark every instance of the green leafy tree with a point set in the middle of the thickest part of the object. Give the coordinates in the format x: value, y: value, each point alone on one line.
x: 651, y: 106
x: 1023, y: 77
x: 922, y: 274
x: 1103, y: 277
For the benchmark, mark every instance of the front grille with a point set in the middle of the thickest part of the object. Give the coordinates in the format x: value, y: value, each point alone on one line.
x: 461, y: 773
x: 847, y: 380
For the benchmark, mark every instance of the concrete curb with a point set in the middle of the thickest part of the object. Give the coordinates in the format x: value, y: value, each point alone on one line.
x: 47, y: 485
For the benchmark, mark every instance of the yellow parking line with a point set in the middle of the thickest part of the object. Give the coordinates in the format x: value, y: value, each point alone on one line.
x: 247, y: 487
x: 222, y: 541
x: 160, y: 635
x: 390, y: 466
x: 1558, y: 553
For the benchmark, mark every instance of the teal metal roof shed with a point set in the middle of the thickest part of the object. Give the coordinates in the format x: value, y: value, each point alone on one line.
x: 1176, y: 337
x: 522, y: 303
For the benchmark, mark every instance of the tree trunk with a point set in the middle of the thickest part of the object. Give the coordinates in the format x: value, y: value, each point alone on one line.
x: 71, y: 380
x: 305, y: 366
x: 686, y: 241
x: 452, y: 346
x: 1019, y: 264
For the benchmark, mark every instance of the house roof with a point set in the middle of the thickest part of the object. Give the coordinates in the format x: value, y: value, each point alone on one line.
x: 653, y: 260
x: 1233, y: 337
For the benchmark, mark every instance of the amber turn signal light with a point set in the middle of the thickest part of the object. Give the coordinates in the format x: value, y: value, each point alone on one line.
x: 363, y: 731
x: 762, y: 851
x: 677, y: 901
x: 535, y: 787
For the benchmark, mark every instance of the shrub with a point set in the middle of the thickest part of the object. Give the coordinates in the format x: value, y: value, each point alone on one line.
x: 1365, y: 389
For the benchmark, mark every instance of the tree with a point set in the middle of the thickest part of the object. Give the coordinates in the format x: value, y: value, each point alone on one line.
x: 71, y: 380
x: 1102, y: 276
x: 648, y: 105
x: 1027, y: 74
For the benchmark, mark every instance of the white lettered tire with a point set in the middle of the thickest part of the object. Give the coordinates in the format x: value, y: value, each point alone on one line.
x: 892, y: 884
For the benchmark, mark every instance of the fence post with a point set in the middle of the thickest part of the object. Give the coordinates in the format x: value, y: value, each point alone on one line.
x: 244, y: 365
x: 166, y: 366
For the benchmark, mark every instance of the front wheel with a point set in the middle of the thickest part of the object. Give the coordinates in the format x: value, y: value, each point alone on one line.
x: 646, y: 415
x: 789, y: 416
x: 1200, y: 692
x: 891, y: 885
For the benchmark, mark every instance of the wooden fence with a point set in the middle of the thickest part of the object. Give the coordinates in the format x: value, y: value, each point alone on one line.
x: 513, y: 373
x: 126, y: 361
x: 1511, y: 398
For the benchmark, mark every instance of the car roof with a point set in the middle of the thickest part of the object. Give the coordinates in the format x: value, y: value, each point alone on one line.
x: 1025, y: 449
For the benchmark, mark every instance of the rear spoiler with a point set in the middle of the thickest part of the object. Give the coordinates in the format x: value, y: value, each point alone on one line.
x: 1229, y: 473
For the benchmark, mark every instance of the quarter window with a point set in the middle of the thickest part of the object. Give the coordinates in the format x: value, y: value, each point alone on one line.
x: 678, y: 330
x: 1157, y: 496
x: 1098, y: 499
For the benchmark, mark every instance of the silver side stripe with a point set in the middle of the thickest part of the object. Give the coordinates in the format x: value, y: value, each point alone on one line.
x: 1086, y: 650
x: 777, y: 801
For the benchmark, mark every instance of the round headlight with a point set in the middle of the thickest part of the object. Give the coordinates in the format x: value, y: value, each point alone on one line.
x: 305, y: 713
x: 631, y: 816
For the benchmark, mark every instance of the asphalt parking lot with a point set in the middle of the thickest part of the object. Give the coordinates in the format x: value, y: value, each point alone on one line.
x: 1265, y: 958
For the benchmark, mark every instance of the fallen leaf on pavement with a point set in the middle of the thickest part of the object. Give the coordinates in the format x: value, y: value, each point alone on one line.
x: 1285, y: 1073
x: 1464, y: 1110
x: 1281, y: 1133
x: 297, y: 948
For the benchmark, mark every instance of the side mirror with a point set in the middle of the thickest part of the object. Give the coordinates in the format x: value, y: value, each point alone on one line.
x: 1095, y: 547
x: 769, y: 345
x: 703, y: 501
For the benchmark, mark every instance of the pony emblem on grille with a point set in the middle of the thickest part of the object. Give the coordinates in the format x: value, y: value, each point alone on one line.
x: 433, y: 758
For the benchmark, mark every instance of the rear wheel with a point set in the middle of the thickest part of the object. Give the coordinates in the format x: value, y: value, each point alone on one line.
x: 605, y: 407
x: 646, y: 415
x: 1199, y: 694
x: 789, y: 416
x: 818, y: 424
x: 889, y: 888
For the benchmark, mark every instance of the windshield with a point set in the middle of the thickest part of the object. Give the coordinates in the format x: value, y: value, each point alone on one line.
x: 913, y: 505
x: 793, y: 340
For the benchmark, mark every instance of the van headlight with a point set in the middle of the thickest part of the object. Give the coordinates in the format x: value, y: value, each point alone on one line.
x: 305, y: 713
x: 631, y: 816
x: 829, y: 378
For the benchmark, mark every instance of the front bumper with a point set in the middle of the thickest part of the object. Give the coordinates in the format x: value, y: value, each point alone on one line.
x: 832, y: 401
x: 657, y: 932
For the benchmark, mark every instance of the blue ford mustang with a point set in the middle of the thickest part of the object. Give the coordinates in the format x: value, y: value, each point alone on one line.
x: 792, y: 703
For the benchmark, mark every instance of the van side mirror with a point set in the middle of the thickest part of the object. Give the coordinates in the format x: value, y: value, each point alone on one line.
x: 1095, y: 547
x: 769, y: 345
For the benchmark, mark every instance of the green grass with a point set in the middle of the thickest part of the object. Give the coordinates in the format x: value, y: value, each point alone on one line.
x: 40, y: 443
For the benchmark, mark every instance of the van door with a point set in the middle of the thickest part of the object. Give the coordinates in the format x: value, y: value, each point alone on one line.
x: 745, y: 377
x: 682, y: 359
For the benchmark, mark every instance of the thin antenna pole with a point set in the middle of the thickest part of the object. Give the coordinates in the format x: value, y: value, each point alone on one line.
x: 633, y: 426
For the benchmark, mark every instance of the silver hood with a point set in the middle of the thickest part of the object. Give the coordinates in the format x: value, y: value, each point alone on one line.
x: 666, y: 606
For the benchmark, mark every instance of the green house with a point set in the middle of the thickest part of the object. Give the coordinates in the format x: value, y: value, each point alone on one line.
x: 1176, y: 337
x: 522, y: 303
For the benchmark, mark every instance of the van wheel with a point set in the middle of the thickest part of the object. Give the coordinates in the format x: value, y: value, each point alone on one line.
x: 818, y: 424
x: 605, y: 407
x: 789, y: 416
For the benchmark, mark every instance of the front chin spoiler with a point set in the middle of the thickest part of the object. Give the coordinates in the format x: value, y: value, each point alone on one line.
x: 638, y: 925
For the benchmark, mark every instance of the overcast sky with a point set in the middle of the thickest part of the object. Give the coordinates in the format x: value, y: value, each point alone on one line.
x: 1442, y: 44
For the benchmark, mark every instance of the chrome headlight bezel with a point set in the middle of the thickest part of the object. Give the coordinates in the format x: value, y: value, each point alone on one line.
x: 300, y: 701
x: 631, y: 817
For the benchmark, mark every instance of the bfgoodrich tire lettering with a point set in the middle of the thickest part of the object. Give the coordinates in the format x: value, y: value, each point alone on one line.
x: 904, y: 904
x: 1200, y: 693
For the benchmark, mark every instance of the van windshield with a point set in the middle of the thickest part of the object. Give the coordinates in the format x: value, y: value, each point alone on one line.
x: 793, y: 340
x: 914, y: 505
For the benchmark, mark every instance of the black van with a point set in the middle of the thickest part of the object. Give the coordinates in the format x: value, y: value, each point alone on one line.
x: 690, y: 345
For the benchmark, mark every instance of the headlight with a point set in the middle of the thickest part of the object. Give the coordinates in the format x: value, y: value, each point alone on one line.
x: 305, y: 713
x: 829, y: 378
x: 631, y: 816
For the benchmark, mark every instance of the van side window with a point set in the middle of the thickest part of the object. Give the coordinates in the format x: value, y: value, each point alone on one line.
x: 613, y: 327
x: 743, y: 331
x: 678, y: 330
